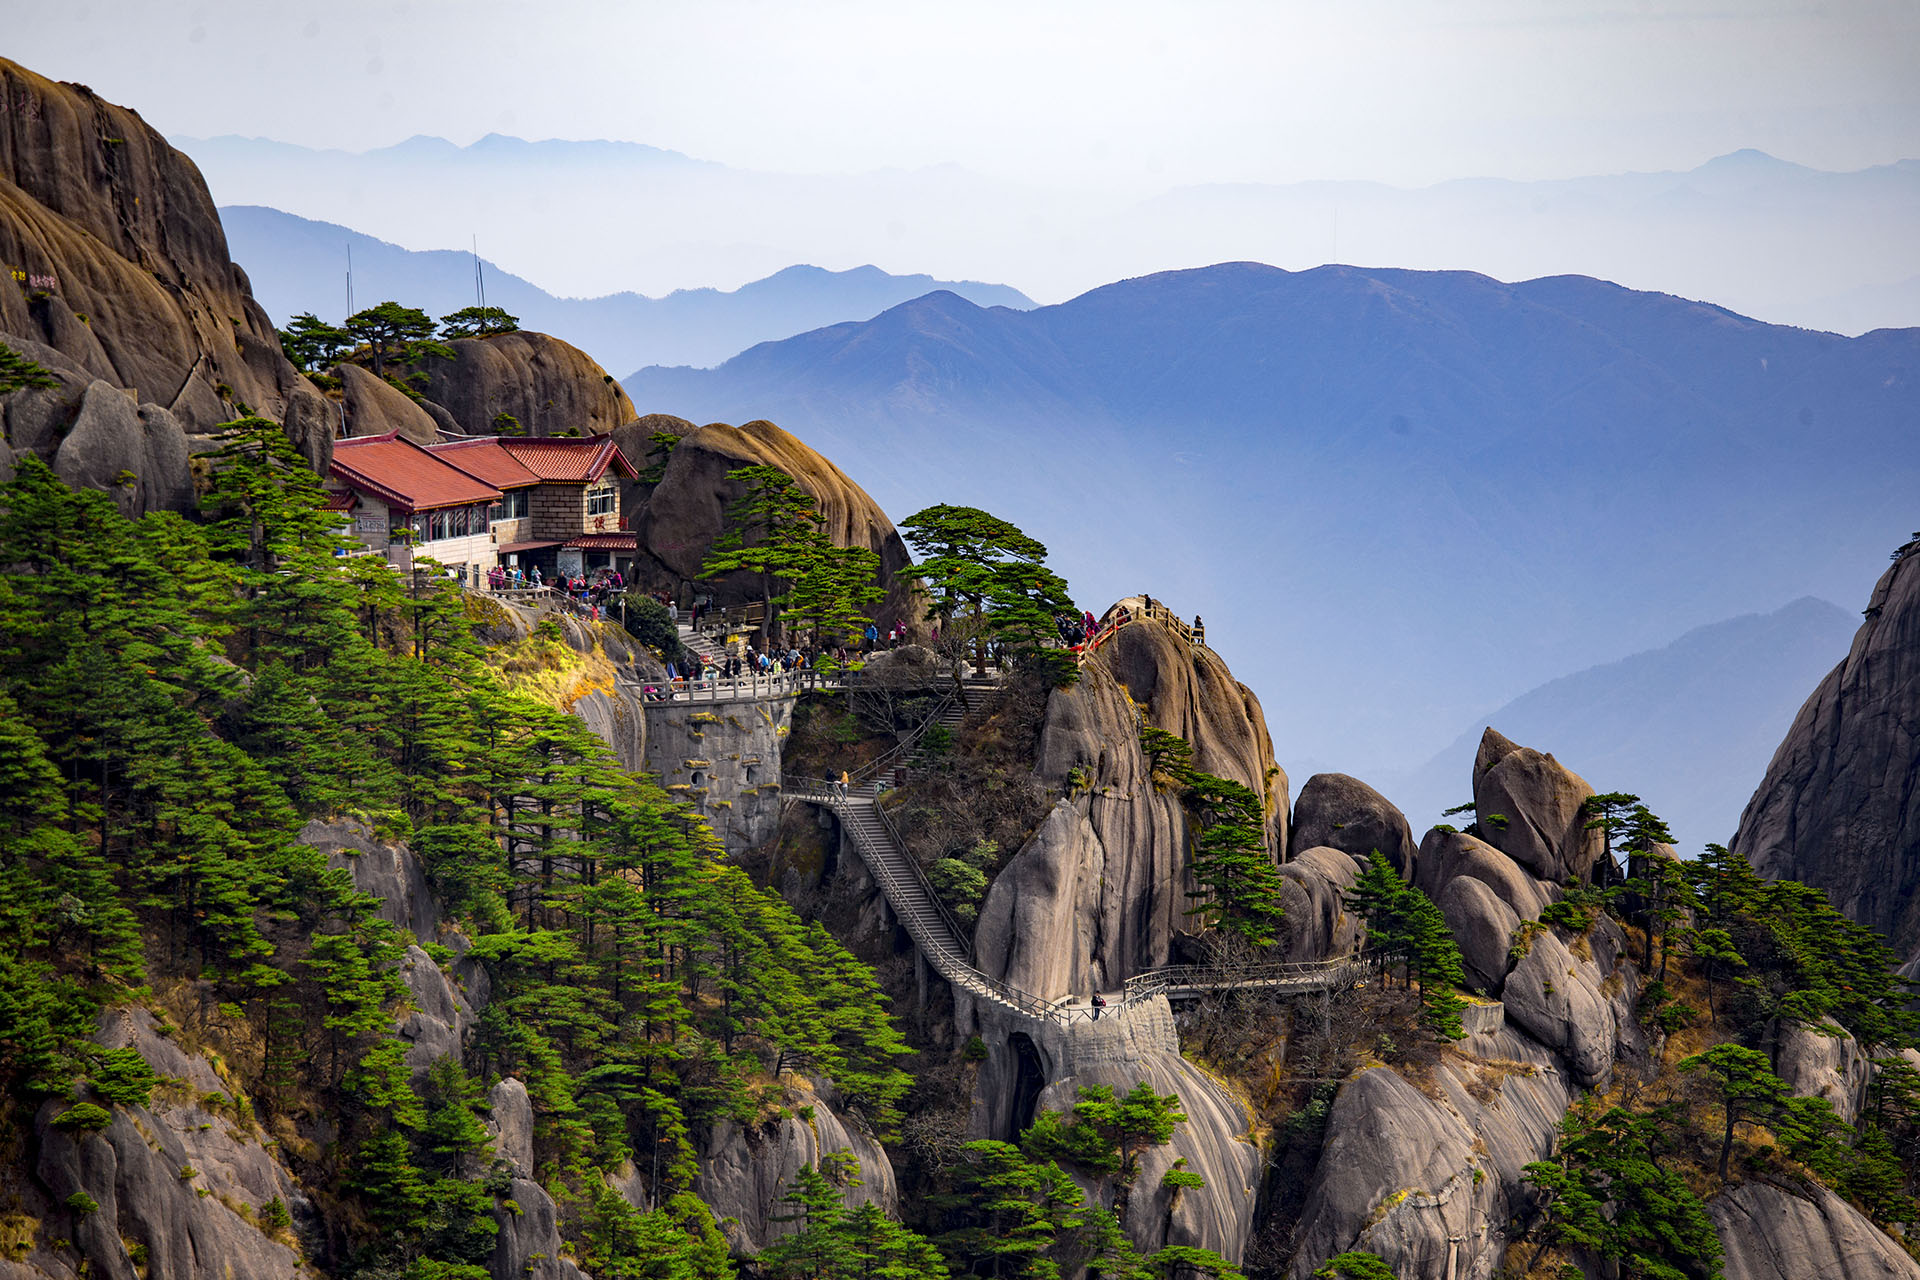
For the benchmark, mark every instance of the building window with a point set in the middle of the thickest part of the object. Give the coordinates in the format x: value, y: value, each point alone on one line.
x: 512, y: 505
x: 602, y: 500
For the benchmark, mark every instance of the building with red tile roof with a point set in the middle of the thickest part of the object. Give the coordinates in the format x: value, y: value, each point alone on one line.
x: 405, y: 501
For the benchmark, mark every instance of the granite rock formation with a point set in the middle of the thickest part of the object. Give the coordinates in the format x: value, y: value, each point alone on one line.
x: 124, y: 270
x: 1339, y: 812
x: 687, y: 511
x: 1430, y: 1180
x: 1484, y: 895
x: 1773, y: 1232
x: 1099, y: 891
x: 745, y: 1173
x: 1041, y: 1066
x: 1839, y: 807
x: 1315, y: 886
x: 375, y: 406
x: 1540, y: 799
x: 549, y: 386
x: 171, y: 1179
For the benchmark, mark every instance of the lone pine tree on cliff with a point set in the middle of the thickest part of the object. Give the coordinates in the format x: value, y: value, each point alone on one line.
x: 983, y: 569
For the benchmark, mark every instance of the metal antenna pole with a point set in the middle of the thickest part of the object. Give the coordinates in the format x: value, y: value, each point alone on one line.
x: 349, y: 280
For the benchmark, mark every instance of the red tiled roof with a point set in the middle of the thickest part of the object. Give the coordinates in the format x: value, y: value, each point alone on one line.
x: 606, y: 542
x: 339, y: 501
x: 404, y: 475
x: 568, y: 460
x: 483, y: 457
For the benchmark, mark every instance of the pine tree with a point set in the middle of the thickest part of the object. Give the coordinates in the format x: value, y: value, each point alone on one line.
x: 773, y: 532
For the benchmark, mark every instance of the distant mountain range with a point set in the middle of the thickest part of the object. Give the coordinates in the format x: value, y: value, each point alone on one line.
x: 1689, y: 727
x: 1747, y: 230
x: 297, y: 264
x: 1398, y: 497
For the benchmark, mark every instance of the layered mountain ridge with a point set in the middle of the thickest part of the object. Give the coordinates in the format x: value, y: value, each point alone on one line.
x: 1586, y: 470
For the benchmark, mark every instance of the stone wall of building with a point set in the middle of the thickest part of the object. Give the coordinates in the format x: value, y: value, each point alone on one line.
x: 558, y: 510
x: 725, y: 758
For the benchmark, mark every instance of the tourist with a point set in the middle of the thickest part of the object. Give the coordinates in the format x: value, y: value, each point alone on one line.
x: 1099, y: 1003
x: 1199, y: 630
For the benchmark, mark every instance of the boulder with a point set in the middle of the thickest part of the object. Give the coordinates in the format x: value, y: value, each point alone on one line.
x: 550, y: 386
x: 1316, y: 882
x: 1483, y: 926
x: 1557, y: 999
x: 375, y: 407
x: 1819, y: 1065
x: 129, y: 277
x: 635, y: 439
x: 1340, y: 812
x: 1772, y: 1232
x: 1429, y: 1180
x: 136, y: 453
x: 687, y: 511
x: 1447, y: 855
x: 1540, y: 798
x: 745, y: 1173
x: 1839, y: 807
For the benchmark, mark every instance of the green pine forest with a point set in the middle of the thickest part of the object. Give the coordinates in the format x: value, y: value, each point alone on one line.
x: 178, y: 697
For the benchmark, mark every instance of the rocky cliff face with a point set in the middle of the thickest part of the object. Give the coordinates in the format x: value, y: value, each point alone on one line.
x: 551, y: 387
x: 746, y: 1173
x: 182, y: 1185
x: 1840, y: 804
x: 1100, y: 891
x: 1802, y: 1233
x: 687, y: 511
x: 119, y: 265
x: 373, y: 406
x: 1429, y: 1179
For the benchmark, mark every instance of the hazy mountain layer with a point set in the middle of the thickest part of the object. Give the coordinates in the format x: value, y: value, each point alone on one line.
x: 1689, y: 727
x: 1765, y: 236
x: 299, y: 265
x: 1398, y: 497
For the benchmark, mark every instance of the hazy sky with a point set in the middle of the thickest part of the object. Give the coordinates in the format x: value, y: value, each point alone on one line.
x: 1112, y: 92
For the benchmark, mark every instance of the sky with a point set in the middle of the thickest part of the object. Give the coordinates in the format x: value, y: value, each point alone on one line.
x: 1114, y: 94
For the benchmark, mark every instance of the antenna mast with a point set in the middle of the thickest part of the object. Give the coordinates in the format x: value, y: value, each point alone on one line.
x: 479, y: 276
x: 349, y: 280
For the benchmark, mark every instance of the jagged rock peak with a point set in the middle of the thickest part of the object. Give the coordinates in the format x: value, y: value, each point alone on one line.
x: 1528, y: 806
x: 1494, y: 747
x: 126, y: 271
x: 1839, y: 806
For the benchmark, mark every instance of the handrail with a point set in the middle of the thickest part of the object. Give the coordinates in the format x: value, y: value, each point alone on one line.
x: 952, y: 957
x: 1124, y: 615
x: 904, y: 748
x: 1251, y: 974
